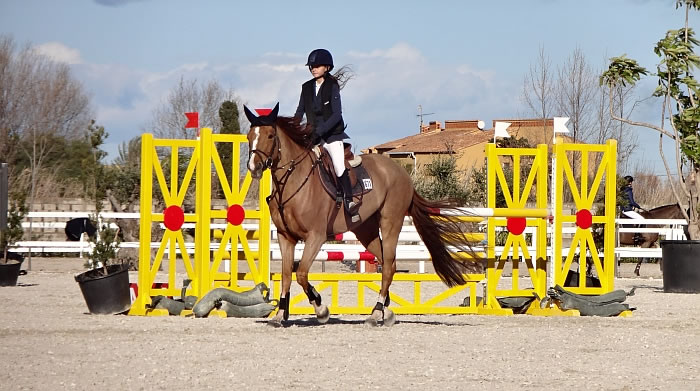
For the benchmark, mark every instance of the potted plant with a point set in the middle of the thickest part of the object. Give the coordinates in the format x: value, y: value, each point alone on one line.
x: 105, y: 286
x: 10, y: 263
x: 678, y: 89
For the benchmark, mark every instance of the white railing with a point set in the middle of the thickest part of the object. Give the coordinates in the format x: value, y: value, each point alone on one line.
x: 671, y: 229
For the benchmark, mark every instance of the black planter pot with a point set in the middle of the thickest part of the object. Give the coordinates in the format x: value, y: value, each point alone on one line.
x: 681, y: 265
x: 106, y: 295
x: 9, y: 272
x: 573, y: 277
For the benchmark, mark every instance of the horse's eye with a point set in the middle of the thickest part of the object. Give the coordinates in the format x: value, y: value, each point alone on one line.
x: 269, y: 136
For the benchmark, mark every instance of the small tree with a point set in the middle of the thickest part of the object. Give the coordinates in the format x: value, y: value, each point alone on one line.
x: 14, y: 232
x: 228, y: 113
x: 442, y: 179
x: 105, y: 244
x: 94, y: 173
x: 679, y: 91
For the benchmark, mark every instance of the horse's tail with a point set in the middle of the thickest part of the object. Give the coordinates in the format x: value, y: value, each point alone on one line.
x: 439, y: 231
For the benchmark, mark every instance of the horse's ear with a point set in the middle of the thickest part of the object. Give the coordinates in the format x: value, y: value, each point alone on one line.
x: 273, y: 113
x: 251, y: 117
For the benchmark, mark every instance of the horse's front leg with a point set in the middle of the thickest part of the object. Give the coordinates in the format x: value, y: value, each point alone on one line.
x: 287, y: 249
x: 312, y: 245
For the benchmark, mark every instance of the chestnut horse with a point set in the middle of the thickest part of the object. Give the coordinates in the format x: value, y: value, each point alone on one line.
x: 649, y: 239
x: 303, y: 211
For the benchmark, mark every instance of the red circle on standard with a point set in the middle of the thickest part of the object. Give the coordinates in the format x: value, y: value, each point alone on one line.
x: 235, y: 214
x: 584, y: 219
x: 173, y: 217
x: 516, y: 225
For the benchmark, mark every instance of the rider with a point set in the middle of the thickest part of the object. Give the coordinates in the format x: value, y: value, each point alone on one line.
x: 320, y: 101
x: 629, y: 196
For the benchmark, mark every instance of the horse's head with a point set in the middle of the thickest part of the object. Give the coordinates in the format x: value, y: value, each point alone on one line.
x: 263, y: 143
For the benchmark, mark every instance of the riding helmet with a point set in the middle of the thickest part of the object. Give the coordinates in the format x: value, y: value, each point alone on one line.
x: 629, y: 179
x: 320, y: 57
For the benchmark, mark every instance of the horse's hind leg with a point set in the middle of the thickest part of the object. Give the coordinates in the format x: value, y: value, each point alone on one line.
x: 312, y: 245
x: 368, y: 235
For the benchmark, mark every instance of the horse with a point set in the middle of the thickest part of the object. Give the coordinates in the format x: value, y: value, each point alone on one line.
x: 302, y: 211
x: 649, y: 239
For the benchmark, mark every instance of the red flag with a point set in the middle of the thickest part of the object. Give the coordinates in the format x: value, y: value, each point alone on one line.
x: 263, y: 112
x: 192, y: 120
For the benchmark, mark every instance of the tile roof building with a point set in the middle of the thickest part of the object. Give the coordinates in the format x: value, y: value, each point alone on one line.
x: 464, y: 138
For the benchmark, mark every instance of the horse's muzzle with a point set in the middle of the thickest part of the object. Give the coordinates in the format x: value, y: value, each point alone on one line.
x: 255, y: 168
x: 256, y: 173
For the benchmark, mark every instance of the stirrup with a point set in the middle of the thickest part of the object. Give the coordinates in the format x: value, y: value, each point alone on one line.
x: 351, y: 207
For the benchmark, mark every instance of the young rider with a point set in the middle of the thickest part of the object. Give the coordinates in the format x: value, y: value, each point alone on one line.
x: 629, y: 196
x: 320, y: 102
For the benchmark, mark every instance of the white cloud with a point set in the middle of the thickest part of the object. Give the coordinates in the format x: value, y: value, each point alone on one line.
x: 399, y: 52
x: 59, y: 52
x: 379, y: 104
x: 180, y: 70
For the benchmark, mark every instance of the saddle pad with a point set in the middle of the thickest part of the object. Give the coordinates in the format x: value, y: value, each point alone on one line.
x: 362, y: 185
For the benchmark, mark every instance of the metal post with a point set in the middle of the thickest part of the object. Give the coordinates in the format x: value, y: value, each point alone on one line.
x: 3, y: 196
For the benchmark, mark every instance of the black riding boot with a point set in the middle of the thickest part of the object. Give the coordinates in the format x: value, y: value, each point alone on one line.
x: 350, y: 204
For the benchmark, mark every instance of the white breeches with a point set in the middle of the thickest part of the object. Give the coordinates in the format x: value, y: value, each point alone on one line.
x: 335, y: 149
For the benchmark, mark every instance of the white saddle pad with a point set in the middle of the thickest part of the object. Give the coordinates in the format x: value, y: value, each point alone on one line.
x: 633, y: 215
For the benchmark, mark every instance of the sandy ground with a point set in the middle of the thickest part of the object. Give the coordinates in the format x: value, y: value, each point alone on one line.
x: 47, y: 341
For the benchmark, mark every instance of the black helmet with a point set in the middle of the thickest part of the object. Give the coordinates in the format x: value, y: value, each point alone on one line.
x: 629, y: 179
x: 320, y: 57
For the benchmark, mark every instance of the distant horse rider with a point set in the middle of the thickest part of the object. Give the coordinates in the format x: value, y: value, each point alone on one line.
x: 628, y: 209
x: 628, y: 193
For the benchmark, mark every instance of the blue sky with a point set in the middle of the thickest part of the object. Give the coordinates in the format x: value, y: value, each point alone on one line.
x: 458, y: 59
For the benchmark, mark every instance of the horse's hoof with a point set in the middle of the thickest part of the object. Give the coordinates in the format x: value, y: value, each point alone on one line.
x: 276, y: 323
x: 323, y: 314
x: 389, y: 317
x: 371, y: 322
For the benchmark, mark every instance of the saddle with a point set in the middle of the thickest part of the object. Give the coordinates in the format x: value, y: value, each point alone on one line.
x: 359, y: 177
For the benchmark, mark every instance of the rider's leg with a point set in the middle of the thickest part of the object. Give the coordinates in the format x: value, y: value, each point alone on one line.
x: 337, y: 153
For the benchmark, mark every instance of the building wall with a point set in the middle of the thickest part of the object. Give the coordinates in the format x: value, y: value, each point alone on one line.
x: 472, y: 157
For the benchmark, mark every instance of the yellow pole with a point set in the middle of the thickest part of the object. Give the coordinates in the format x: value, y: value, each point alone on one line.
x: 203, y: 211
x: 610, y: 210
x: 541, y: 202
x: 144, y: 298
x: 491, y: 273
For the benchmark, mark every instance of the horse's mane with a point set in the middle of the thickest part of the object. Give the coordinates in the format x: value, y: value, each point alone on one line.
x: 665, y: 206
x: 296, y: 130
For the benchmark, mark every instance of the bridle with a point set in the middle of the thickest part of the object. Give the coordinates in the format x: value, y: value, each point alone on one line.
x: 271, y: 160
x: 268, y: 159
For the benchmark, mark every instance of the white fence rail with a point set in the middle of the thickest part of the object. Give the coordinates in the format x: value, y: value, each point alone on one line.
x: 410, y: 248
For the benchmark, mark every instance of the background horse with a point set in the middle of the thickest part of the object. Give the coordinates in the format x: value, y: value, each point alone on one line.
x: 649, y: 239
x: 303, y: 211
